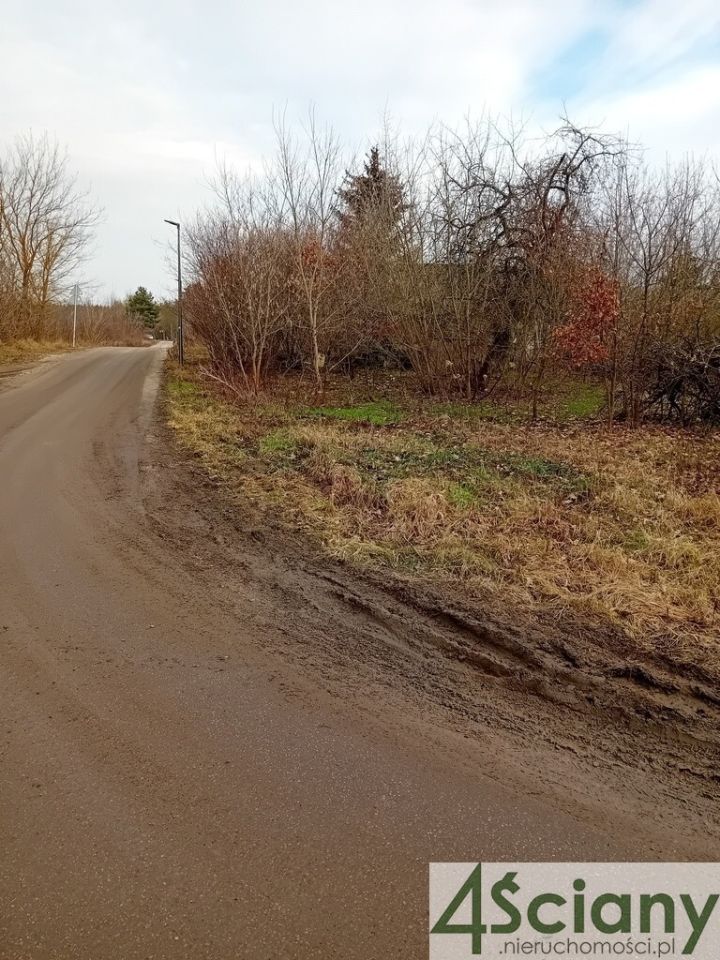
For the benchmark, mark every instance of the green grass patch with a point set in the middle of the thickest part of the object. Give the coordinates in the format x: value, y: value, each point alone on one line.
x: 377, y: 414
x: 537, y: 467
x: 461, y: 495
x: 584, y: 401
x: 636, y: 541
x: 468, y: 467
x: 279, y: 441
x: 180, y: 389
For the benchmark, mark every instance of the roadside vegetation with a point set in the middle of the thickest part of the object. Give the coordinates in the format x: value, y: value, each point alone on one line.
x: 26, y: 351
x: 562, y: 518
x: 476, y: 260
x: 482, y: 362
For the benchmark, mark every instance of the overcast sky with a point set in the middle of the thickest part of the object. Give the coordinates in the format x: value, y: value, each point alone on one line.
x: 147, y: 95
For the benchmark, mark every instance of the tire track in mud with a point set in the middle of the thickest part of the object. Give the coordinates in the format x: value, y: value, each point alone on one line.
x: 560, y: 704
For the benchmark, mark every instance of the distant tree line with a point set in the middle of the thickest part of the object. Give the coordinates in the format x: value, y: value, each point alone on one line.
x: 130, y: 322
x: 158, y: 318
x: 98, y: 324
x: 474, y: 259
x: 46, y: 226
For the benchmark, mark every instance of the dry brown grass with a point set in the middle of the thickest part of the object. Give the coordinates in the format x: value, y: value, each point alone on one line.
x: 25, y: 351
x: 611, y: 525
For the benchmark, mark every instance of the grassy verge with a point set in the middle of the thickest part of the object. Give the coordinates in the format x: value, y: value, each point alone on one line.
x: 560, y: 517
x: 25, y: 351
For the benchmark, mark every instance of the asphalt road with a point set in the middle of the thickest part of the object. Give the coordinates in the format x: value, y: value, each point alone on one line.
x: 165, y: 789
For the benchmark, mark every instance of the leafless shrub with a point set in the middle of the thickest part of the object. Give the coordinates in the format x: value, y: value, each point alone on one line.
x: 242, y: 301
x: 98, y: 324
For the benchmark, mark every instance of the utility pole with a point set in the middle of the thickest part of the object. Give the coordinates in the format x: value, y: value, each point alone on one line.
x: 75, y: 315
x: 181, y: 345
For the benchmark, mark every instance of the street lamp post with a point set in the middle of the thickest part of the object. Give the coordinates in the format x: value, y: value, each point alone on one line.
x: 181, y: 346
x: 75, y: 300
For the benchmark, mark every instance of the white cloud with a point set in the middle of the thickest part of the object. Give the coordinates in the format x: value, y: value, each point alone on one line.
x: 674, y: 117
x: 657, y: 34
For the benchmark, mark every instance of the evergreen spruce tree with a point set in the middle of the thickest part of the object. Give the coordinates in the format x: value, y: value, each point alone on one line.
x: 375, y: 194
x: 142, y: 305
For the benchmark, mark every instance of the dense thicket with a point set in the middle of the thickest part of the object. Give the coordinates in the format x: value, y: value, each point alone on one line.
x: 108, y: 324
x: 474, y: 258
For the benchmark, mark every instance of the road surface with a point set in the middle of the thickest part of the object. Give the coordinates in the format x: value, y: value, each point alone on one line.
x: 180, y: 774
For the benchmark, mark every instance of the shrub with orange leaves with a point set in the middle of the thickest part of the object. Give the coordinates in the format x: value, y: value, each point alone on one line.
x: 592, y: 317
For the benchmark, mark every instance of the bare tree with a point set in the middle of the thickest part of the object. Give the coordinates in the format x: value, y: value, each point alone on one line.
x: 46, y: 223
x: 308, y: 176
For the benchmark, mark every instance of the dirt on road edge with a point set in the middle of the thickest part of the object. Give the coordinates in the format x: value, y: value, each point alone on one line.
x: 559, y: 712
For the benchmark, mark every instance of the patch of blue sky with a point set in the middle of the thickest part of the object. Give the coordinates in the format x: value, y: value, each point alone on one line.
x: 573, y: 71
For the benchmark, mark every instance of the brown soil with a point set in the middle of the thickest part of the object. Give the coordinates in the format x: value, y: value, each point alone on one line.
x: 560, y: 703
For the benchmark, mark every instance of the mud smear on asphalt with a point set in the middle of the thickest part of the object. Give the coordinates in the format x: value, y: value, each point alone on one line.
x: 556, y: 707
